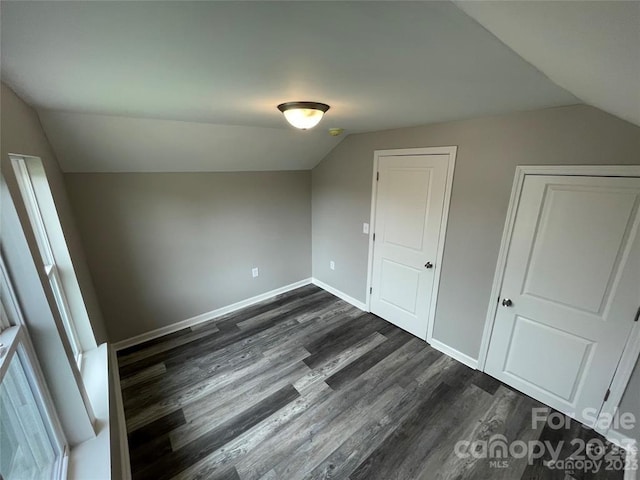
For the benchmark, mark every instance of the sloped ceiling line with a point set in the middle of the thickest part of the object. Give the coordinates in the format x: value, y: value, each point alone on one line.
x: 193, y: 86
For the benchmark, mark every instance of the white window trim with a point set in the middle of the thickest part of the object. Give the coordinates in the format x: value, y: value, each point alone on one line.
x: 16, y: 343
x: 12, y: 315
x: 4, y: 319
x: 31, y: 204
x: 91, y: 458
x: 15, y: 320
x: 65, y: 311
x: 15, y: 339
x: 34, y: 213
x: 75, y: 412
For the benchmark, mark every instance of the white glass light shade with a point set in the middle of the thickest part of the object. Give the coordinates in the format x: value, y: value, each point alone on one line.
x: 303, y: 118
x: 303, y: 115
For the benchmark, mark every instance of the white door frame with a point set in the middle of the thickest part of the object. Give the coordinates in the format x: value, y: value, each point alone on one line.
x: 451, y: 163
x: 631, y: 350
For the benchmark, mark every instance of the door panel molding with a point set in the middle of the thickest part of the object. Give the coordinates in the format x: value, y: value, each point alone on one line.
x: 632, y: 348
x: 450, y: 151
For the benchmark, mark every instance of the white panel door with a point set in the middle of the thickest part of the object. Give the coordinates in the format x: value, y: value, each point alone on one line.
x: 571, y: 290
x: 409, y: 209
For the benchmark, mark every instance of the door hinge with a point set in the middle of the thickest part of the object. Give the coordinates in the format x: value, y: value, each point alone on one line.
x: 606, y: 395
x: 637, y: 315
x: 377, y: 176
x: 370, y: 289
x: 374, y: 237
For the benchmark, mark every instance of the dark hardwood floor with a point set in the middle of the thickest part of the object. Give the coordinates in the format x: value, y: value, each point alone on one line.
x: 305, y: 386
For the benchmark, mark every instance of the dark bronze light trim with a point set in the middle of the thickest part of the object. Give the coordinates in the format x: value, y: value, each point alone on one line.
x: 323, y: 107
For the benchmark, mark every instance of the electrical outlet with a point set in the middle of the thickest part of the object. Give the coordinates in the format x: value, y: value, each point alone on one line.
x: 254, y: 272
x: 332, y: 265
x: 365, y: 228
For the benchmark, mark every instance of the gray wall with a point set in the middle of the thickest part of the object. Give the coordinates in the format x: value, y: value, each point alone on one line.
x: 164, y: 247
x: 488, y: 151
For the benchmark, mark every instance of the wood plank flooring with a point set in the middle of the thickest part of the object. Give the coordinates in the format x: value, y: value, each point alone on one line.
x: 305, y: 386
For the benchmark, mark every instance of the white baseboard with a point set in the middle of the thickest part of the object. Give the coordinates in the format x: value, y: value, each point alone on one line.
x: 356, y: 303
x: 631, y: 464
x: 125, y: 462
x: 631, y: 447
x: 205, y: 317
x: 455, y: 354
x: 452, y: 352
x: 621, y: 440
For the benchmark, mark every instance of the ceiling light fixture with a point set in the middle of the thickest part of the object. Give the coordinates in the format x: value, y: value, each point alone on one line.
x: 303, y: 115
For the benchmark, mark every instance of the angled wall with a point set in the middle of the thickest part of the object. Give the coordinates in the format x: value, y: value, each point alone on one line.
x: 488, y: 151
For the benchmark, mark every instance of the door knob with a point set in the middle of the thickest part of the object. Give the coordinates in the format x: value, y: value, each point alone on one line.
x: 506, y: 302
x: 428, y: 265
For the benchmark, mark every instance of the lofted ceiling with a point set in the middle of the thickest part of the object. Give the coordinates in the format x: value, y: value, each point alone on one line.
x: 193, y: 86
x: 590, y: 48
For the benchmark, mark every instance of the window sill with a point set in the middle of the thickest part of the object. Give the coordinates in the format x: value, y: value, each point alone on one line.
x: 91, y: 460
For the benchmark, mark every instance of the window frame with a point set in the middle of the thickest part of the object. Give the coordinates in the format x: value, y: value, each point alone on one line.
x: 36, y: 219
x: 15, y: 341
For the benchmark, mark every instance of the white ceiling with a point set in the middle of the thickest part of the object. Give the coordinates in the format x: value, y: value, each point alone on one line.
x: 590, y: 48
x: 189, y: 86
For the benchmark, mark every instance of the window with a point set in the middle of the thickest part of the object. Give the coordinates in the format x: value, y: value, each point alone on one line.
x: 37, y: 403
x: 32, y: 445
x: 33, y: 201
